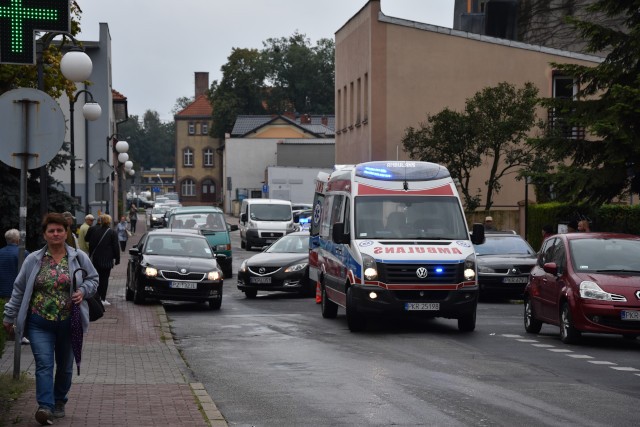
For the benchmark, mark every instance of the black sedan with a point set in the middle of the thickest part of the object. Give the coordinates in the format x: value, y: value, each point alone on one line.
x: 173, y: 265
x: 283, y: 266
x: 504, y: 261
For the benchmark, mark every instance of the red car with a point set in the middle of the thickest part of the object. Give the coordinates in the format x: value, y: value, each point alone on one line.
x: 585, y: 282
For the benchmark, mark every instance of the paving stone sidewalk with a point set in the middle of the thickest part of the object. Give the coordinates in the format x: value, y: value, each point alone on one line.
x: 131, y: 372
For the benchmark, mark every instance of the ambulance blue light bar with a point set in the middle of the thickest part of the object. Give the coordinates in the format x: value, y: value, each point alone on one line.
x: 401, y: 171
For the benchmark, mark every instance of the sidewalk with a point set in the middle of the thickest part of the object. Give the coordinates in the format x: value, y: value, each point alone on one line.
x: 131, y: 372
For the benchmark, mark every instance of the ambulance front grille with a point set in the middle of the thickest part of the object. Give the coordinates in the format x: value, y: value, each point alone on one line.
x: 397, y: 274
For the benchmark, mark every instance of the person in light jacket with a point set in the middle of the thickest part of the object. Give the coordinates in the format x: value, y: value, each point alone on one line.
x: 40, y: 307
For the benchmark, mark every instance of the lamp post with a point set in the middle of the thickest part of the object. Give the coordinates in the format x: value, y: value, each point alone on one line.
x: 91, y: 111
x: 76, y: 66
x: 123, y: 159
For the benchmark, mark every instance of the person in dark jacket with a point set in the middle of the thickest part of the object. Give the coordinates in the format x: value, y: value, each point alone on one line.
x: 9, y: 262
x: 104, y: 252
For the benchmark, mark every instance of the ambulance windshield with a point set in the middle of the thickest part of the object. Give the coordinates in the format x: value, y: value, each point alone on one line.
x: 409, y: 217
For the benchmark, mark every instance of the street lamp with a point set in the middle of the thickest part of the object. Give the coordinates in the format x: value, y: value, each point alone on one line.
x: 127, y: 165
x: 91, y: 111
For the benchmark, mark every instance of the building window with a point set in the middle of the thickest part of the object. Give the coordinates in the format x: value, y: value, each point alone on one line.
x: 187, y: 157
x: 208, y: 157
x: 204, y: 129
x: 339, y: 112
x: 344, y: 108
x: 192, y: 128
x: 359, y: 103
x: 365, y: 101
x: 351, y: 105
x: 564, y: 87
x: 188, y: 187
x: 208, y: 187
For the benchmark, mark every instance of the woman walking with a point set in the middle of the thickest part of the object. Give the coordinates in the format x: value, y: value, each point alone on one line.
x: 105, y: 253
x: 133, y: 217
x: 123, y: 233
x: 40, y: 306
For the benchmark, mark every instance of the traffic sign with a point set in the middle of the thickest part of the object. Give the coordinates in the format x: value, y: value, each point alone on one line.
x: 20, y: 19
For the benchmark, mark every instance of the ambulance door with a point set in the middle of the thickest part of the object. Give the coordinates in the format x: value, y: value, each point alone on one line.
x: 334, y: 254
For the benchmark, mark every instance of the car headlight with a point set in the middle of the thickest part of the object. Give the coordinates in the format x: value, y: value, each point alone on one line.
x: 470, y: 267
x: 369, y: 267
x: 214, y: 275
x: 243, y: 267
x: 150, y: 272
x: 485, y: 269
x: 591, y: 290
x: 222, y: 247
x: 296, y: 267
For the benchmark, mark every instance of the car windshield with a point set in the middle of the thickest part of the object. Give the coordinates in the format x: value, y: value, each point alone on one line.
x: 178, y: 246
x: 504, y: 245
x: 199, y: 221
x: 409, y: 217
x: 603, y: 255
x: 160, y: 210
x: 290, y: 244
x: 270, y: 212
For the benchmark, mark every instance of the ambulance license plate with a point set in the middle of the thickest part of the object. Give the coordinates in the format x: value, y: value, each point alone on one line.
x: 422, y: 306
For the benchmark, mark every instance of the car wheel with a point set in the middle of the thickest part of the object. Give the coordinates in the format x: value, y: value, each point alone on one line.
x: 247, y: 245
x: 242, y: 244
x: 251, y: 293
x: 215, y: 303
x: 467, y: 323
x: 328, y: 307
x: 138, y: 295
x: 568, y: 333
x: 356, y: 321
x: 531, y: 324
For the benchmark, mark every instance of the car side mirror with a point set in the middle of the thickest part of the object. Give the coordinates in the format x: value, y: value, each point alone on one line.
x: 134, y: 251
x: 338, y: 235
x: 243, y: 217
x: 477, y: 238
x: 551, y: 268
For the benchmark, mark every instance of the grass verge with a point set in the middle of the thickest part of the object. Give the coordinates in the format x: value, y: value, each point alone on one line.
x: 10, y: 390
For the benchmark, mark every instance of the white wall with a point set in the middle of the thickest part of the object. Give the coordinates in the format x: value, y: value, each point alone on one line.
x: 293, y: 183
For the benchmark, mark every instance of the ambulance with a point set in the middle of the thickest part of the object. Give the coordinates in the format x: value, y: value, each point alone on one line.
x: 390, y: 238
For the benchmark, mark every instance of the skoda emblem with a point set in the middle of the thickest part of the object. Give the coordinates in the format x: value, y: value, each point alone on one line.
x: 183, y: 270
x: 421, y: 272
x: 514, y: 271
x: 261, y: 270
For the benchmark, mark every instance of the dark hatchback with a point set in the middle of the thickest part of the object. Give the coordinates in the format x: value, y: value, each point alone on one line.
x: 504, y: 261
x: 173, y: 265
x: 283, y: 266
x: 586, y: 282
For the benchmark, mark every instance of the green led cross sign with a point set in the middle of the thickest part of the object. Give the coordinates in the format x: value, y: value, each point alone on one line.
x: 19, y: 19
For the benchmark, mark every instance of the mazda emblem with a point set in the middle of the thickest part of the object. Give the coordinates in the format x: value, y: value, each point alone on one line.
x: 422, y: 272
x: 261, y: 270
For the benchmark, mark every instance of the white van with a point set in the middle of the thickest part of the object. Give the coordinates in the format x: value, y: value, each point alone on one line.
x: 390, y: 237
x: 263, y: 221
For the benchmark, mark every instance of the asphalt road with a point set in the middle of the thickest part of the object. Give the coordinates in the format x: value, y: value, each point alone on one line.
x: 274, y: 361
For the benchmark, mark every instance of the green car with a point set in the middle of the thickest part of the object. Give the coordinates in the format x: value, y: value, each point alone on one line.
x: 210, y: 222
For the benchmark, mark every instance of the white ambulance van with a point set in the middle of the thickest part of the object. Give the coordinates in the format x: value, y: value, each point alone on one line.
x: 390, y: 237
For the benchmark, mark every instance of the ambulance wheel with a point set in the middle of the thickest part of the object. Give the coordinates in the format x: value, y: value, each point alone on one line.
x: 329, y: 308
x: 356, y: 321
x: 467, y: 323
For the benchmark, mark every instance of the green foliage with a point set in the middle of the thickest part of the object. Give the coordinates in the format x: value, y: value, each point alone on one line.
x: 151, y: 142
x: 493, y: 127
x: 607, y: 105
x: 287, y: 75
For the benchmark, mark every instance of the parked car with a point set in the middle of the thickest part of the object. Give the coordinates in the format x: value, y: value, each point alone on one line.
x: 504, y: 261
x: 585, y: 282
x: 211, y: 223
x: 156, y: 218
x: 283, y: 266
x: 173, y: 265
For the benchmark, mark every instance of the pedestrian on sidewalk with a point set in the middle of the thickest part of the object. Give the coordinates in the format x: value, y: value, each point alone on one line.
x: 104, y: 252
x: 82, y: 234
x: 133, y: 217
x: 123, y: 232
x: 72, y: 240
x: 40, y: 305
x: 9, y: 265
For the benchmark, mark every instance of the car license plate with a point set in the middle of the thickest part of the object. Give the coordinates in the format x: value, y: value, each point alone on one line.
x: 183, y: 285
x: 260, y: 280
x: 630, y: 315
x: 424, y: 306
x: 269, y: 241
x: 515, y: 280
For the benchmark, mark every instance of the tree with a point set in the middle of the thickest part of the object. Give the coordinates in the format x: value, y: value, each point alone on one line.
x: 606, y: 163
x: 181, y: 103
x: 152, y: 142
x: 493, y: 128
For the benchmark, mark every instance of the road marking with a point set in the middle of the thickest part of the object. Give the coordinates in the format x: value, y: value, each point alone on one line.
x: 601, y: 362
x: 525, y: 340
x: 544, y: 345
x: 560, y: 350
x: 579, y: 356
x: 624, y: 368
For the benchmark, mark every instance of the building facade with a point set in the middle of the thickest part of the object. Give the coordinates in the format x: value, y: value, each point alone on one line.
x: 198, y: 155
x: 391, y: 73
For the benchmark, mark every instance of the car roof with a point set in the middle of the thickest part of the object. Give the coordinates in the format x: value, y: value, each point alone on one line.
x: 298, y: 233
x: 597, y: 235
x: 201, y: 209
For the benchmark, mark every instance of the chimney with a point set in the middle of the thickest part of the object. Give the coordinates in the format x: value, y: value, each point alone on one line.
x: 202, y: 82
x: 305, y: 119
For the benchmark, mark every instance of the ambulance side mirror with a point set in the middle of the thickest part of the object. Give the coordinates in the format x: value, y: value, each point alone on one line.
x: 338, y: 235
x: 477, y: 236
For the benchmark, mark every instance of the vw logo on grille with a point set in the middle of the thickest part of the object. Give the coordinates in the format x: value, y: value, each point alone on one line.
x: 422, y: 272
x: 261, y: 270
x: 638, y: 294
x: 183, y: 270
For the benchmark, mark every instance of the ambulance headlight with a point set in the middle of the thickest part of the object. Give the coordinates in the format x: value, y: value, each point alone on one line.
x: 369, y: 267
x: 470, y: 267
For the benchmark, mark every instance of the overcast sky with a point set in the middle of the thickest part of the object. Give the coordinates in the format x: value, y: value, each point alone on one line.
x: 158, y: 45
